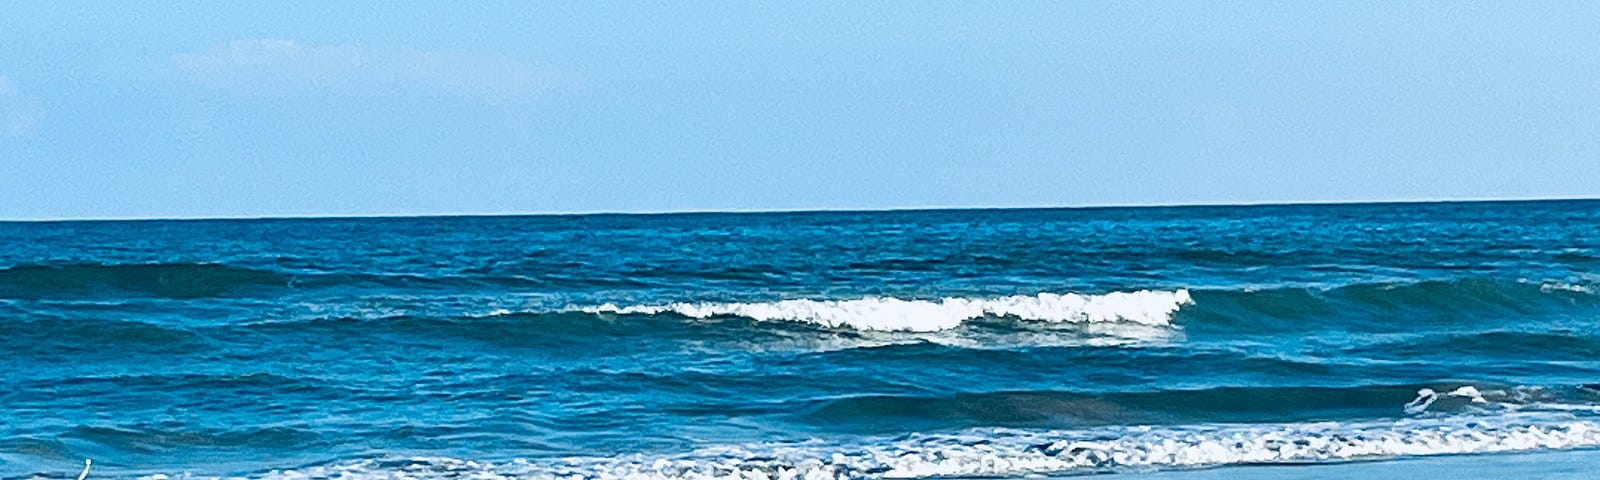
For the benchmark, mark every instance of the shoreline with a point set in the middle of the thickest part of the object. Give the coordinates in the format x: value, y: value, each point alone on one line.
x: 1544, y: 465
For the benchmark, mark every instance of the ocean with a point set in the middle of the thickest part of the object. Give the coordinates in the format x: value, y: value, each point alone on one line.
x: 806, y: 345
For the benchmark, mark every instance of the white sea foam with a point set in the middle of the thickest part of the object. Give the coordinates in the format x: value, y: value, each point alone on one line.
x: 1146, y: 307
x: 1014, y: 453
x: 1489, y: 400
x: 1426, y: 397
x: 1552, y: 287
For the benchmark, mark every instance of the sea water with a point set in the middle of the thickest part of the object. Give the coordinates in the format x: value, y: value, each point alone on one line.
x: 814, y: 345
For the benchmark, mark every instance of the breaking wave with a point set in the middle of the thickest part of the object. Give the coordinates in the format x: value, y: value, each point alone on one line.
x: 1249, y: 307
x: 1147, y: 307
x: 1016, y: 453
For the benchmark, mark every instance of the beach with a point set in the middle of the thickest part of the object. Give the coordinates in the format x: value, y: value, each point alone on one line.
x: 1572, y: 465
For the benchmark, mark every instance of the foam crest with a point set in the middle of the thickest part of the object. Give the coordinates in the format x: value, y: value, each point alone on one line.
x: 1426, y: 397
x: 1147, y: 307
x: 1552, y: 287
x: 1015, y: 453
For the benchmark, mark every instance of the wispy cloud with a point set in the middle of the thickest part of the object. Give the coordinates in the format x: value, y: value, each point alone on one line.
x: 20, y: 113
x: 275, y: 63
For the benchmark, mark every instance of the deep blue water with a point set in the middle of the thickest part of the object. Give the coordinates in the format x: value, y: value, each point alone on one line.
x: 817, y: 345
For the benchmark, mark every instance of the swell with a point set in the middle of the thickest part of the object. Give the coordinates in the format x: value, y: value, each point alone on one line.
x: 1496, y: 344
x: 1465, y: 294
x: 1244, y: 404
x: 185, y: 280
x: 1401, y: 306
x: 1427, y: 301
x: 1381, y: 306
x: 158, y: 438
x: 213, y: 389
x: 1392, y: 306
x: 193, y: 381
x: 164, y: 280
x: 549, y: 329
x: 75, y: 337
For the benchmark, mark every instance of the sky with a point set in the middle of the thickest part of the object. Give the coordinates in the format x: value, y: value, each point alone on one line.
x: 145, y: 109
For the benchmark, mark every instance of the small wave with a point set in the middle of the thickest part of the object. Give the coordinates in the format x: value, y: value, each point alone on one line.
x: 57, y: 336
x: 163, y: 438
x: 165, y: 280
x: 1147, y: 307
x: 1543, y: 345
x: 141, y: 389
x: 1376, y: 305
x: 1214, y: 405
x: 1461, y: 293
x: 1018, y: 453
x: 1079, y: 409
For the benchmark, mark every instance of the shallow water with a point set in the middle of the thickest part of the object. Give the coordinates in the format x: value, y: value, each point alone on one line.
x: 841, y: 344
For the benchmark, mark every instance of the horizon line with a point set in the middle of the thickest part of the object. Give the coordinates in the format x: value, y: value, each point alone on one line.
x: 755, y: 211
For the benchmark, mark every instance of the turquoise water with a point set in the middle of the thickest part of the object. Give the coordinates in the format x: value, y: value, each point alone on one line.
x: 991, y: 343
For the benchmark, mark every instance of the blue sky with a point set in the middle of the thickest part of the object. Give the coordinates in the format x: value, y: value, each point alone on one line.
x: 195, y: 109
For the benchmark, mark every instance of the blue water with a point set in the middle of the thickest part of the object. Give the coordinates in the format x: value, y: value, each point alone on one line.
x: 810, y: 345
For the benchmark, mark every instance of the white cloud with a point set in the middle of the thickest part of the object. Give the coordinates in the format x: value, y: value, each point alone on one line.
x: 20, y: 113
x: 273, y: 63
x: 268, y: 60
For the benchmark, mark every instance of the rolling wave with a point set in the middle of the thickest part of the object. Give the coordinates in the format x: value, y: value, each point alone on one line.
x: 1557, y: 345
x: 1287, y: 307
x: 1421, y: 300
x: 167, y: 280
x: 156, y: 439
x: 1439, y: 295
x: 1147, y: 307
x: 1402, y: 306
x: 76, y: 337
x: 1140, y: 317
x: 189, y: 281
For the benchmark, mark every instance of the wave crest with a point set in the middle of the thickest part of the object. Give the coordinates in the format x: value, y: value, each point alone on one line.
x: 1146, y: 307
x: 162, y: 280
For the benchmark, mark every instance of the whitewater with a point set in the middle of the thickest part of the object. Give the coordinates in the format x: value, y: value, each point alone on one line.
x: 893, y: 314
